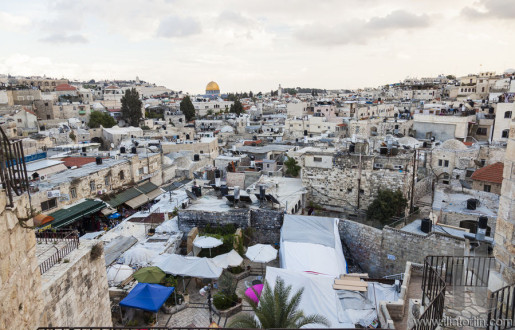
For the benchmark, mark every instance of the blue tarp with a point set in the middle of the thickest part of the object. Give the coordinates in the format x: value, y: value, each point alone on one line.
x: 146, y: 296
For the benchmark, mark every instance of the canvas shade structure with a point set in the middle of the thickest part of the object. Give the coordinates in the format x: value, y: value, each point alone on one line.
x: 115, y: 215
x: 230, y: 259
x: 207, y: 242
x: 148, y: 297
x: 149, y: 275
x: 42, y: 219
x: 261, y: 253
x: 254, y: 292
x: 116, y: 274
x: 139, y: 256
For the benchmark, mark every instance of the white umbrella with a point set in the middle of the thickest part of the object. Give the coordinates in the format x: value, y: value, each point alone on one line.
x: 116, y: 274
x: 261, y: 253
x: 207, y: 242
x: 230, y: 259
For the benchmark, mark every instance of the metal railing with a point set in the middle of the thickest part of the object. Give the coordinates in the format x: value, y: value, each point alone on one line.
x: 461, y: 271
x: 158, y: 328
x: 501, y: 312
x: 72, y: 243
x: 13, y: 172
x: 50, y: 236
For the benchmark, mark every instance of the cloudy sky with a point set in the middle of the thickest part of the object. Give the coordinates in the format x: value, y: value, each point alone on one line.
x: 256, y: 44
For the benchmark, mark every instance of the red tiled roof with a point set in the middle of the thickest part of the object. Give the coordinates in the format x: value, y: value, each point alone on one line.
x: 490, y: 173
x: 77, y: 161
x: 31, y: 112
x: 468, y: 144
x: 250, y: 143
x: 65, y: 87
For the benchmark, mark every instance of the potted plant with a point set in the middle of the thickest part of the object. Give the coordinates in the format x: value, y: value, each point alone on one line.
x: 225, y: 300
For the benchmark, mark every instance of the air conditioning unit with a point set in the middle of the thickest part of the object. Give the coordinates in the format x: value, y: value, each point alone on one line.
x: 42, y: 177
x: 398, y: 167
x: 376, y: 165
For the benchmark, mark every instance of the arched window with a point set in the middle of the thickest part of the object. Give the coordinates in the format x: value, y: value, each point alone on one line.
x: 505, y: 133
x: 121, y: 175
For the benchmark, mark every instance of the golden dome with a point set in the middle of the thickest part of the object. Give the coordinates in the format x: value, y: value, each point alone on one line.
x: 212, y: 86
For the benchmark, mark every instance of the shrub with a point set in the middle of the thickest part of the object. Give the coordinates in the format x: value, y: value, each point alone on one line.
x: 223, y: 301
x: 171, y: 300
x: 235, y: 270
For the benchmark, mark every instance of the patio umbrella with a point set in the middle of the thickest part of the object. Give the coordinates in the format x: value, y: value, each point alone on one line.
x: 207, y: 242
x: 230, y: 259
x: 114, y: 216
x: 254, y: 292
x: 261, y: 253
x: 116, y: 274
x: 149, y: 275
x: 139, y: 256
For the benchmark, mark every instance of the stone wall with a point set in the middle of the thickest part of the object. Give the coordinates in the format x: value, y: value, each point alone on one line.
x: 364, y: 243
x: 20, y: 280
x: 422, y: 188
x: 76, y: 292
x: 266, y: 223
x: 385, y: 252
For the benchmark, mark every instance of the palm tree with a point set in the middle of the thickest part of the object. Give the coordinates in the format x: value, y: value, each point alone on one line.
x: 276, y: 310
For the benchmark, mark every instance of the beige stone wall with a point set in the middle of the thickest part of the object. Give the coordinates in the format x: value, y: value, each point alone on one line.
x: 504, y: 248
x: 20, y: 281
x: 495, y: 188
x: 76, y: 293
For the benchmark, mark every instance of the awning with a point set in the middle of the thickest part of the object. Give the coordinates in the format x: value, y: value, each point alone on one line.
x: 73, y: 213
x: 137, y: 202
x: 108, y: 210
x: 42, y: 219
x: 148, y: 297
x: 123, y: 197
x: 154, y: 193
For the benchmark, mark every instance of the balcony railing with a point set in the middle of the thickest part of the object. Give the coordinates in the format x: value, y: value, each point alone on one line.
x: 71, y: 240
x: 13, y: 172
x: 501, y: 313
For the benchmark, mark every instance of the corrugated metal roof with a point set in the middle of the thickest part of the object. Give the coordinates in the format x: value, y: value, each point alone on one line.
x: 147, y: 187
x: 125, y: 196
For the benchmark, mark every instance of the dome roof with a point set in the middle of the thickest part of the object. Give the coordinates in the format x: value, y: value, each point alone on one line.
x: 212, y: 86
x: 453, y: 144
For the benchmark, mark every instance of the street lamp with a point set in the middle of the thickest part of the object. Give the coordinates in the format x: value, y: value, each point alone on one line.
x: 202, y: 292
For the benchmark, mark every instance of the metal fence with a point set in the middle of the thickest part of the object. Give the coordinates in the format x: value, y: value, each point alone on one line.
x: 462, y: 271
x: 501, y: 312
x: 72, y: 243
x: 50, y: 236
x: 13, y: 172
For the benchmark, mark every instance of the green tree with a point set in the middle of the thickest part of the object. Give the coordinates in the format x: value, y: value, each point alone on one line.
x: 98, y: 118
x: 277, y: 310
x: 236, y: 107
x: 131, y: 107
x: 292, y: 167
x: 386, y: 205
x: 72, y: 136
x: 187, y: 108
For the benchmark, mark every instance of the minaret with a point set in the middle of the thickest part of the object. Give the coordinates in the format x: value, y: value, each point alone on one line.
x: 280, y: 92
x: 504, y: 248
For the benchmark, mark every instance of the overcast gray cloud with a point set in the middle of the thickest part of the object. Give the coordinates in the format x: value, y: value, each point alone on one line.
x: 361, y: 31
x: 504, y: 9
x: 176, y: 27
x: 65, y: 39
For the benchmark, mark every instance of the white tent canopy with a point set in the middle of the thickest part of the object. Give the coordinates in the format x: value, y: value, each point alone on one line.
x: 261, y: 253
x: 342, y: 308
x: 230, y: 259
x: 188, y: 266
x: 116, y: 274
x: 138, y: 256
x: 207, y: 242
x: 312, y: 244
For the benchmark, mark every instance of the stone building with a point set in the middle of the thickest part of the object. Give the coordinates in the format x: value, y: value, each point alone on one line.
x: 44, y: 84
x: 442, y: 127
x: 350, y: 181
x: 23, y: 96
x: 504, y: 249
x: 488, y: 178
x: 206, y: 146
x: 68, y: 293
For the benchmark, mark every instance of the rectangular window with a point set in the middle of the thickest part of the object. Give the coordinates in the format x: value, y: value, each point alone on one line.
x: 92, y: 185
x: 483, y: 162
x: 49, y: 204
x: 469, y: 173
x: 487, y: 187
x: 317, y: 159
x: 73, y: 193
x: 440, y: 162
x: 446, y: 163
x: 107, y: 180
x: 481, y: 131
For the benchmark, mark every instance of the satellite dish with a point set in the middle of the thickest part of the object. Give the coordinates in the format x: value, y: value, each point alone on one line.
x: 112, y: 145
